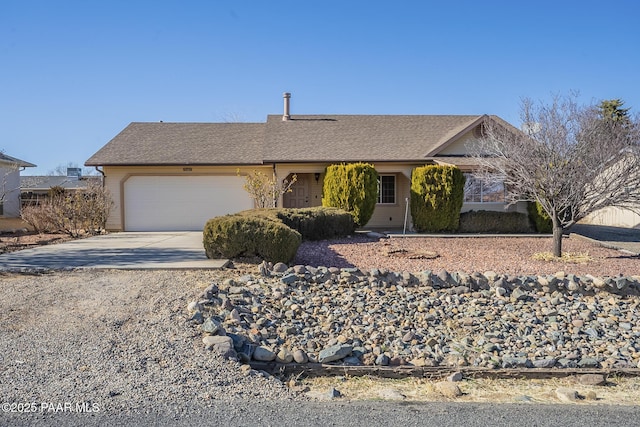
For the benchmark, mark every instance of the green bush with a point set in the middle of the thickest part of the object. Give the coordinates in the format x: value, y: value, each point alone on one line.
x: 318, y: 223
x: 539, y: 218
x: 315, y: 223
x: 437, y: 194
x: 352, y: 187
x: 232, y: 236
x: 494, y: 222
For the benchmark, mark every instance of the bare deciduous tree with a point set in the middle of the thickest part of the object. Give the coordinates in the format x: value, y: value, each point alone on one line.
x: 572, y: 159
x: 72, y: 212
x: 265, y: 190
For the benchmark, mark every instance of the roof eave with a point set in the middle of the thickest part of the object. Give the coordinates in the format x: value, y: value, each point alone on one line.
x: 95, y: 164
x: 421, y: 160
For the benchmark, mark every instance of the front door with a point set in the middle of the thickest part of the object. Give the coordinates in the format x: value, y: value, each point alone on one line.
x: 298, y: 197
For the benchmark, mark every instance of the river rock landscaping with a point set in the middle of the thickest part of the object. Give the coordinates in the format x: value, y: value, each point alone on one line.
x: 347, y: 316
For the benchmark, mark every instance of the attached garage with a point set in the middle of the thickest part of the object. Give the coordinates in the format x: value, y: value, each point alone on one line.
x: 180, y: 203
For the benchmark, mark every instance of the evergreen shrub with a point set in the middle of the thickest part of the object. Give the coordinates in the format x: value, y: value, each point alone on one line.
x: 494, y: 222
x: 315, y: 223
x: 539, y: 218
x: 232, y: 236
x: 437, y: 193
x: 352, y: 187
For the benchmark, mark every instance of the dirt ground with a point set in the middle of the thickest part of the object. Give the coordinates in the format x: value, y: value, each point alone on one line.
x: 15, y: 235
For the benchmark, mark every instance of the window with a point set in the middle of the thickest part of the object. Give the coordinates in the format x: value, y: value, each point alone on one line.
x: 386, y: 189
x: 477, y: 191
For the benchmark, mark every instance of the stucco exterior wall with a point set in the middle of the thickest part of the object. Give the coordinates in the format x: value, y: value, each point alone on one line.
x: 384, y: 217
x: 614, y: 217
x: 460, y: 147
x: 10, y: 188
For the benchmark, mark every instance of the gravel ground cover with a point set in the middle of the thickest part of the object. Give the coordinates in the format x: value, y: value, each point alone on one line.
x: 117, y: 339
x: 122, y: 339
x: 468, y: 254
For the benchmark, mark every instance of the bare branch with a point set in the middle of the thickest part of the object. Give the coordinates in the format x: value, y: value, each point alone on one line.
x: 569, y: 159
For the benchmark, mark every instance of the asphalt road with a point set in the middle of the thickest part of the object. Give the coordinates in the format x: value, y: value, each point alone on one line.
x: 346, y: 414
x: 627, y: 239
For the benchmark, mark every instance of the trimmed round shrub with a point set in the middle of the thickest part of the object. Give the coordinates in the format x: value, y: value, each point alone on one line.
x: 539, y: 218
x: 494, y: 222
x: 437, y: 194
x: 232, y: 236
x: 318, y: 223
x: 315, y: 223
x: 352, y: 187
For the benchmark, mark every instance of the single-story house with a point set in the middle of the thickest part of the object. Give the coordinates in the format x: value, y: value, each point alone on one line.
x: 10, y: 168
x: 35, y: 189
x: 175, y: 176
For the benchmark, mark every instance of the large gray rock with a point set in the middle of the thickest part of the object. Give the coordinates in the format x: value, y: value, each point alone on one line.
x: 391, y: 394
x: 544, y: 363
x: 280, y: 267
x: 299, y: 356
x: 212, y: 326
x: 588, y: 362
x: 592, y: 379
x: 516, y: 362
x: 263, y: 354
x: 284, y: 356
x: 448, y: 389
x: 382, y: 360
x: 335, y: 352
x: 565, y: 394
x: 221, y: 345
x: 519, y: 294
x: 289, y: 279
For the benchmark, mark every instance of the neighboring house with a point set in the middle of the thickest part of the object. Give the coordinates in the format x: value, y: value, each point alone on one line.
x: 614, y: 217
x: 10, y: 169
x: 35, y: 189
x: 175, y: 176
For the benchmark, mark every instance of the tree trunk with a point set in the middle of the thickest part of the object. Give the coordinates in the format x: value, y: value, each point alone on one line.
x: 557, y: 238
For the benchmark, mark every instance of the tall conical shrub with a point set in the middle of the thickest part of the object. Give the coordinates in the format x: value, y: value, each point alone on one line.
x: 437, y: 194
x: 352, y: 187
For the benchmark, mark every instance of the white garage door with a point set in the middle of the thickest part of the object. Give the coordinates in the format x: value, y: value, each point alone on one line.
x: 181, y: 203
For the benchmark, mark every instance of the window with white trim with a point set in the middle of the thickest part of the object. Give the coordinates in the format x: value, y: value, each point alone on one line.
x: 478, y: 191
x: 386, y: 189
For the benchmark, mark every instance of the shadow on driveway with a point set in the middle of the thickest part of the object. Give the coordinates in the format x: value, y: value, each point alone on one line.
x: 179, y: 250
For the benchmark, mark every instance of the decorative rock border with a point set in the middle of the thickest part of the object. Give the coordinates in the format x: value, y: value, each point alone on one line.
x: 380, y: 318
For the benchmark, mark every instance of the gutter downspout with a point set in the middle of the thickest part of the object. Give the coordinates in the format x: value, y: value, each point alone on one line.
x: 275, y: 179
x: 101, y: 173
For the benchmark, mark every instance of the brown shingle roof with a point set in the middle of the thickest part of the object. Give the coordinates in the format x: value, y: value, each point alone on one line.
x: 358, y: 138
x: 313, y: 138
x: 183, y: 143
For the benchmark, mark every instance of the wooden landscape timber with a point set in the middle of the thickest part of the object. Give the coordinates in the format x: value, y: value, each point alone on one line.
x: 398, y: 372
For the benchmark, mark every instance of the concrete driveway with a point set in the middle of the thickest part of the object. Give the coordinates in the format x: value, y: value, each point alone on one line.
x: 134, y: 251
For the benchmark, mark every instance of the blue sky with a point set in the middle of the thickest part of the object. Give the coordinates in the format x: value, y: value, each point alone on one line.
x: 75, y: 73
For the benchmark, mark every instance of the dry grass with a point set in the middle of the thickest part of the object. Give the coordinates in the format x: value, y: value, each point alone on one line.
x: 9, y: 224
x: 567, y: 257
x: 619, y: 391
